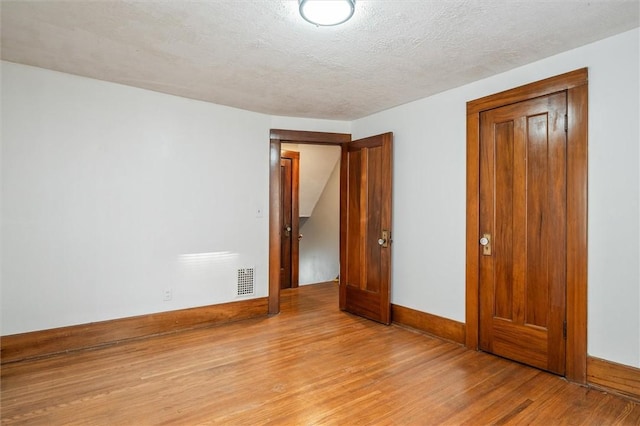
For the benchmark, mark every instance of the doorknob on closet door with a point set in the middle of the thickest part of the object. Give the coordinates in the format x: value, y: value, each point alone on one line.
x: 485, y: 242
x: 383, y: 241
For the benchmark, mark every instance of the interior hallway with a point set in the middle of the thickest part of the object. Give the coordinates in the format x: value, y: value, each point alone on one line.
x: 312, y: 364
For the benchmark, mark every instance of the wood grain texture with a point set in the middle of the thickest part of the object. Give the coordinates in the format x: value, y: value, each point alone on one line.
x: 290, y: 204
x: 298, y: 136
x: 622, y: 379
x: 523, y: 208
x: 575, y: 85
x: 312, y: 364
x: 472, y: 249
x: 64, y: 339
x: 275, y: 219
x: 286, y: 254
x: 366, y: 275
x: 544, y: 87
x: 443, y: 328
x: 295, y: 221
x: 577, y: 218
x: 344, y: 229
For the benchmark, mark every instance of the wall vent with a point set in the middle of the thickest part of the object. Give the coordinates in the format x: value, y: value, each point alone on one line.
x: 245, y: 281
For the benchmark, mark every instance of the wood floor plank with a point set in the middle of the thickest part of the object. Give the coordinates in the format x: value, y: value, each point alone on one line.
x: 311, y: 364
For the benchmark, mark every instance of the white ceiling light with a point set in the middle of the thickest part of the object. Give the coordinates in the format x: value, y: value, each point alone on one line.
x: 327, y: 12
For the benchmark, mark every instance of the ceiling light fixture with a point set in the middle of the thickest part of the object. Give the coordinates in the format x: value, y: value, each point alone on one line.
x: 327, y: 12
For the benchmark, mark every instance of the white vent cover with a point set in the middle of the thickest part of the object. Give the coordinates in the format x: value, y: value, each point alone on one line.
x: 245, y: 281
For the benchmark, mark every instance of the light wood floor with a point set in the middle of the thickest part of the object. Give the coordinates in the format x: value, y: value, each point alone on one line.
x: 312, y: 364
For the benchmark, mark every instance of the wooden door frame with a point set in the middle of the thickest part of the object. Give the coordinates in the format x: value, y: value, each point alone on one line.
x: 276, y: 138
x: 575, y: 84
x: 295, y: 214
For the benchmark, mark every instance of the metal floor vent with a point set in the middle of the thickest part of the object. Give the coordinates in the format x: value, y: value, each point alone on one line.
x: 245, y: 281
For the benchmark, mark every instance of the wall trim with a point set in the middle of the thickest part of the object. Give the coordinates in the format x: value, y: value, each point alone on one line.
x: 18, y: 347
x: 443, y: 328
x: 616, y: 378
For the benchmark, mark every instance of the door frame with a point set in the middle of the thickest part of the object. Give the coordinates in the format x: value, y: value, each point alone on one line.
x: 276, y: 138
x: 575, y: 83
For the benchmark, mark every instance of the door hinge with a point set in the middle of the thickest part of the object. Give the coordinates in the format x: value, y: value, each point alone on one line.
x: 566, y: 123
x: 564, y: 330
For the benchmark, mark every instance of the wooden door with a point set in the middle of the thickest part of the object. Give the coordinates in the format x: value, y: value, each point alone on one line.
x: 365, y: 228
x: 523, y: 158
x: 289, y: 223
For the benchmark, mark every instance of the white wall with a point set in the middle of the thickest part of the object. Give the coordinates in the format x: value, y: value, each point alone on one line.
x: 316, y: 164
x: 429, y: 192
x: 113, y: 194
x: 320, y: 245
x: 107, y: 190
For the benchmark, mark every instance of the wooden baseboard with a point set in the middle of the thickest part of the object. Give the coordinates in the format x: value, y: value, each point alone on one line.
x: 617, y: 378
x: 438, y: 326
x: 35, y: 344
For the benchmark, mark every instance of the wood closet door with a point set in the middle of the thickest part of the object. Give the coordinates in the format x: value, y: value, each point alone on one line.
x: 365, y: 228
x: 523, y: 215
x: 290, y: 221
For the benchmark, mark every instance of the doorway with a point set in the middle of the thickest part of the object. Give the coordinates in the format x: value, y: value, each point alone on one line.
x: 495, y: 305
x: 277, y: 138
x: 365, y: 220
x: 318, y: 238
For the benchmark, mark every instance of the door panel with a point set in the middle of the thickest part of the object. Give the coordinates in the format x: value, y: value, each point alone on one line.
x: 285, y: 225
x: 289, y: 219
x: 365, y: 265
x: 523, y: 208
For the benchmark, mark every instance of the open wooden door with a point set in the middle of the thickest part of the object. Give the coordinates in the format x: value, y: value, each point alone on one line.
x: 365, y: 228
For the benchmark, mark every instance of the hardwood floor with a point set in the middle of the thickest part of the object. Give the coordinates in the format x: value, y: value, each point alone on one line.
x: 312, y: 364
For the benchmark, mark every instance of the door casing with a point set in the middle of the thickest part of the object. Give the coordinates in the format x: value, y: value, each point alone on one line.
x: 575, y: 83
x: 276, y: 138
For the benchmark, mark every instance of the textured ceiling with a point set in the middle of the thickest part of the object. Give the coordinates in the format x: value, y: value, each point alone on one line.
x: 260, y: 55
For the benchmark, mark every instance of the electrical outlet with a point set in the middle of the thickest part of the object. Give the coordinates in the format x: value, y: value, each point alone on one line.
x: 167, y: 295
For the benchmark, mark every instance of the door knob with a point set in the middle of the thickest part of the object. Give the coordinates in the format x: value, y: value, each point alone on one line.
x: 383, y: 241
x: 287, y: 228
x: 485, y: 242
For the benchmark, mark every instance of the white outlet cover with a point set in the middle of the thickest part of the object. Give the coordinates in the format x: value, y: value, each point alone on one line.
x: 168, y: 295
